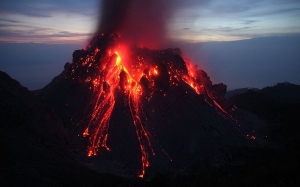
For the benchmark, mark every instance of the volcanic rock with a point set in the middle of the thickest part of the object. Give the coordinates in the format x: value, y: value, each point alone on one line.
x: 184, y: 118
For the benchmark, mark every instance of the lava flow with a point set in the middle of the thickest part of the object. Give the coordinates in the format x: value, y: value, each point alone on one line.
x: 111, y: 74
x: 137, y: 74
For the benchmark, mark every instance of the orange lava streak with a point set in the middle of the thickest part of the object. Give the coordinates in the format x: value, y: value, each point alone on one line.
x: 191, y: 79
x: 134, y: 91
x: 103, y: 106
x: 135, y: 109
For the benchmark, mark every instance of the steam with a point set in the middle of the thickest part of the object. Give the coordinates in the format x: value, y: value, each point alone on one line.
x: 139, y: 22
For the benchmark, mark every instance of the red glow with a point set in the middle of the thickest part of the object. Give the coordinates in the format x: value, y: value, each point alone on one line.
x: 108, y: 80
x: 105, y: 101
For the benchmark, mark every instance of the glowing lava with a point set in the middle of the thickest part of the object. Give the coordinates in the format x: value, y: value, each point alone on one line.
x: 117, y: 70
x: 105, y: 86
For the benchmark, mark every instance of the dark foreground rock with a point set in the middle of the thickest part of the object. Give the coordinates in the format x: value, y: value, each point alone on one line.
x: 35, y: 147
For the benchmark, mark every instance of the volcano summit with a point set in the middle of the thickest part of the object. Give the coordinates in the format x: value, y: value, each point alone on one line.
x: 143, y: 108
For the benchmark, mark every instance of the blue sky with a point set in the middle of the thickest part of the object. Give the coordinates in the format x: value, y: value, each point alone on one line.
x: 47, y: 21
x: 74, y: 21
x: 229, y: 20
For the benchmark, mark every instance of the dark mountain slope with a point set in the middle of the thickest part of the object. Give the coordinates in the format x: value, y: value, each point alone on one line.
x: 35, y: 147
x: 286, y: 93
x: 239, y: 91
x: 278, y: 106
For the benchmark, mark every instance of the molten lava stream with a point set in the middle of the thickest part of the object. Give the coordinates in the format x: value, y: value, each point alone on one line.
x: 103, y: 106
x: 135, y: 109
x: 191, y: 80
x: 134, y: 90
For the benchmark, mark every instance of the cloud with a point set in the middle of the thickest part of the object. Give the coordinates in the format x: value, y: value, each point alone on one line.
x: 192, y: 17
x: 267, y: 7
x: 274, y: 12
x: 9, y: 20
x: 33, y: 33
x: 31, y: 20
x: 36, y: 14
x: 248, y: 22
x: 227, y: 29
x: 231, y: 6
x: 41, y: 35
x: 46, y: 8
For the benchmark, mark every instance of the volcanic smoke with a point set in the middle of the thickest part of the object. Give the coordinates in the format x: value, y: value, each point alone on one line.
x: 138, y: 22
x: 115, y: 63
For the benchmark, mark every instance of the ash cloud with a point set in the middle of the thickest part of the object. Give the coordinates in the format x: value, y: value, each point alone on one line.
x: 139, y: 22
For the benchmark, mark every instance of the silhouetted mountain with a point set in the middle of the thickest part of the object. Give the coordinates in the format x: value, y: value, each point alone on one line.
x: 278, y: 105
x: 286, y: 93
x: 35, y: 147
x: 239, y: 91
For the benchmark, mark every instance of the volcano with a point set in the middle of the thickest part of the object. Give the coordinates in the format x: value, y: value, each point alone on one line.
x: 143, y: 111
x: 134, y: 110
x: 128, y: 108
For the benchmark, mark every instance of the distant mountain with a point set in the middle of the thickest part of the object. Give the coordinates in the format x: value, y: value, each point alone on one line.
x: 286, y: 92
x: 278, y: 105
x: 239, y: 91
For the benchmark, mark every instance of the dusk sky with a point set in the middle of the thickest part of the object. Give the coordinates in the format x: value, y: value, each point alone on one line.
x: 194, y: 21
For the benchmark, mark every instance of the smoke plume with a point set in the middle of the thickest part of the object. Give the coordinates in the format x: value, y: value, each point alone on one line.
x: 139, y: 22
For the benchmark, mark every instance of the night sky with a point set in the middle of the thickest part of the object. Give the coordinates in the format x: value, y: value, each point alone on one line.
x: 247, y: 43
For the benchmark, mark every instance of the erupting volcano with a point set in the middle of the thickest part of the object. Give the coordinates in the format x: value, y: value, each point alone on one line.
x: 138, y: 74
x: 130, y: 101
x: 128, y: 107
x: 112, y: 77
